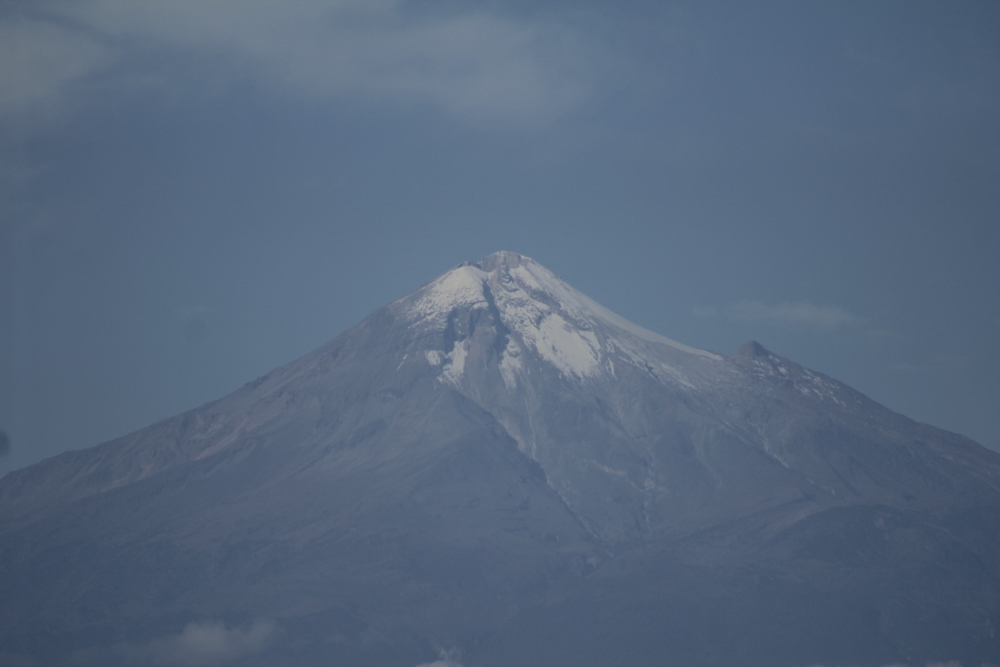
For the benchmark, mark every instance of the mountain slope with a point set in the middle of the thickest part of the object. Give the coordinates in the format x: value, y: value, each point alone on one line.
x: 498, y: 465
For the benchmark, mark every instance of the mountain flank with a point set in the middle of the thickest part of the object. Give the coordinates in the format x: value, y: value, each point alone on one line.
x: 495, y: 470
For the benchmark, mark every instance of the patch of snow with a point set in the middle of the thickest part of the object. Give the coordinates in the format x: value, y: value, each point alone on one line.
x: 773, y: 454
x: 561, y: 324
x: 434, y: 357
x: 822, y: 387
x: 453, y: 370
x: 511, y: 364
x: 405, y: 357
x: 565, y: 328
x: 608, y: 469
x: 584, y: 308
x: 462, y: 286
x: 659, y: 371
x: 525, y: 311
x: 571, y: 350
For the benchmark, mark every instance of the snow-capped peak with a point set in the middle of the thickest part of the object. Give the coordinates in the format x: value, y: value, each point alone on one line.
x: 579, y: 306
x: 562, y: 326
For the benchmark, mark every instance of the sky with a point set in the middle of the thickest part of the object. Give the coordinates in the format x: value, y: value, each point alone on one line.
x: 194, y: 193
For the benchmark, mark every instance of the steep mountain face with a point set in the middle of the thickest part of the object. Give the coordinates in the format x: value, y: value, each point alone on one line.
x: 496, y: 470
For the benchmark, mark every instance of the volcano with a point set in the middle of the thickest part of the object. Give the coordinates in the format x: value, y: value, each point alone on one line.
x: 495, y: 470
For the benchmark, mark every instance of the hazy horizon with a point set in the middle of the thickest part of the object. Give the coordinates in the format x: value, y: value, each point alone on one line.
x: 196, y: 193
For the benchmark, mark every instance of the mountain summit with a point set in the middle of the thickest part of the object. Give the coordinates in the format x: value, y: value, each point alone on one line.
x: 497, y: 470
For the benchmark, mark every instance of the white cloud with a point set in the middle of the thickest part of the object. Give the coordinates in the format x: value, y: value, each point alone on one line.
x: 947, y: 362
x: 706, y: 311
x: 478, y: 66
x: 200, y: 645
x: 798, y: 314
x: 448, y: 658
x: 39, y: 64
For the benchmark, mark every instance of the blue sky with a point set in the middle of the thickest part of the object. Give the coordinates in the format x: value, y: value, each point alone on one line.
x: 193, y: 193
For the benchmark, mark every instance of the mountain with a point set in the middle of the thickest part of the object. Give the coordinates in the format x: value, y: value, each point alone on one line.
x: 495, y: 470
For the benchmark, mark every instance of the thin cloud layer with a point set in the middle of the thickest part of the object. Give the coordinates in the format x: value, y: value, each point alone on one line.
x: 201, y: 645
x: 474, y: 65
x: 447, y: 658
x: 798, y: 314
x: 40, y: 62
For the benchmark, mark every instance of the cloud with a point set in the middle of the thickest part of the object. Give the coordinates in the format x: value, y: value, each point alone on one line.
x: 448, y: 658
x: 475, y: 65
x: 798, y: 314
x: 947, y: 362
x: 40, y: 62
x: 200, y: 645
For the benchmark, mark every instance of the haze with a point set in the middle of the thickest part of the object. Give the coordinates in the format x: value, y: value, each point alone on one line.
x: 194, y: 193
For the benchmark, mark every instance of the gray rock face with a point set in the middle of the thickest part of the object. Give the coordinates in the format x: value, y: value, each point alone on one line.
x: 494, y: 470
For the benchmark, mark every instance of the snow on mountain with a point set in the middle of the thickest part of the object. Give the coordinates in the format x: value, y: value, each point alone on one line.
x: 565, y: 328
x: 497, y: 463
x: 522, y: 345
